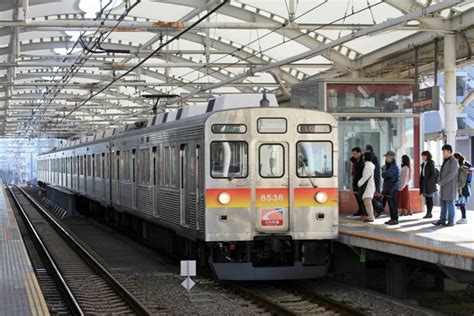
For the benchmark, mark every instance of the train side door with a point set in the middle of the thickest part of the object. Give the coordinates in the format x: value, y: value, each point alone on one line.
x: 155, y: 179
x: 134, y: 178
x: 104, y: 178
x: 117, y: 177
x: 184, y: 172
x: 272, y: 187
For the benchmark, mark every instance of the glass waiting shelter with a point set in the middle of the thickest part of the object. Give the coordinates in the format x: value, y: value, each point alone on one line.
x: 369, y: 111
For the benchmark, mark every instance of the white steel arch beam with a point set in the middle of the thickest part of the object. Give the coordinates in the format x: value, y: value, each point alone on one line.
x: 309, y: 39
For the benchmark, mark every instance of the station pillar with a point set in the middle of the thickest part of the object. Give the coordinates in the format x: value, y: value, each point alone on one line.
x: 450, y: 110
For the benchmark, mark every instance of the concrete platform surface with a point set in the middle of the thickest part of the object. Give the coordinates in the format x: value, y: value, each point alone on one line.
x: 20, y: 293
x: 415, y: 238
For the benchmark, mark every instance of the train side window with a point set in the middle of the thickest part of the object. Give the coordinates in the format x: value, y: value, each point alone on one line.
x: 314, y: 159
x: 173, y: 166
x: 104, y: 159
x: 167, y: 166
x: 81, y: 165
x: 155, y: 166
x: 134, y: 169
x: 92, y: 170
x: 271, y: 160
x: 143, y: 166
x: 229, y: 159
x: 117, y: 166
x: 126, y: 165
x: 98, y: 166
x: 89, y: 165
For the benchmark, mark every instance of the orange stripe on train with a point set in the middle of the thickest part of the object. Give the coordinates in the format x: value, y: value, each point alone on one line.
x: 238, y: 198
x: 305, y: 196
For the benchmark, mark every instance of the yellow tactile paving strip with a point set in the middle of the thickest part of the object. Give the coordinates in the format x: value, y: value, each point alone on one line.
x: 20, y: 293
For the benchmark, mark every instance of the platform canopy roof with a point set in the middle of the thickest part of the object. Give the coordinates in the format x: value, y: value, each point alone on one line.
x: 71, y: 67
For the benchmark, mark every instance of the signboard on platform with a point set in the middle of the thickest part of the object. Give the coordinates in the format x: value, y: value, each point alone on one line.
x: 426, y: 99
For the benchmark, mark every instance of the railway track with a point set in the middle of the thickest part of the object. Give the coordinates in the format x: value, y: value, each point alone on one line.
x: 86, y: 286
x: 291, y: 299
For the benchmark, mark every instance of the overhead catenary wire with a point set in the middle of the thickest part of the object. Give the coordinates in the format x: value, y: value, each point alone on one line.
x: 208, y: 73
x: 67, y: 76
x: 174, y: 38
x: 276, y: 45
x: 82, y: 58
x: 243, y: 59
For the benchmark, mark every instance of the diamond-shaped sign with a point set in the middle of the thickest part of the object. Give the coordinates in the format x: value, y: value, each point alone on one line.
x: 188, y: 283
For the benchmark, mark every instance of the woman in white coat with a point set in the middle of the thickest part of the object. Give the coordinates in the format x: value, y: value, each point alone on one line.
x: 368, y: 182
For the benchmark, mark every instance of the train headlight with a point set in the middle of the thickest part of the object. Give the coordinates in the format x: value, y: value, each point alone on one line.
x: 321, y: 197
x: 224, y: 198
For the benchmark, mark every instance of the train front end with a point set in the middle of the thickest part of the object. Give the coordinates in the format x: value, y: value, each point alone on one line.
x: 271, y: 193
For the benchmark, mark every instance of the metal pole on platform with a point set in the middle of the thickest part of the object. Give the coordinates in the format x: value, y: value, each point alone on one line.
x: 450, y: 124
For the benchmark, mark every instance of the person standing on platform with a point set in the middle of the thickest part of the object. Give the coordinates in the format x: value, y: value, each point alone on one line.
x: 366, y: 186
x: 464, y: 185
x: 448, y: 186
x: 377, y: 200
x: 403, y: 200
x: 358, y: 168
x: 391, y: 184
x: 428, y: 178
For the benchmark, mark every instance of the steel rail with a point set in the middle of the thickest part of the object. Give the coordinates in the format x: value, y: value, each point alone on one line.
x: 133, y: 302
x: 266, y: 303
x: 306, y: 294
x: 47, y: 259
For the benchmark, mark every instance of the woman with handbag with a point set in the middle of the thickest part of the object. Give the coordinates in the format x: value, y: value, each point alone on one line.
x: 464, y: 189
x: 367, y: 187
x: 428, y: 179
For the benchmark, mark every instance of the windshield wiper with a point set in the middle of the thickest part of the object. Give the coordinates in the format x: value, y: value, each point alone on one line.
x: 308, y: 175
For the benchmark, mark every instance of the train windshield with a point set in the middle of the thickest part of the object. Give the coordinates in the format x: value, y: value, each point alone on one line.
x: 314, y: 159
x: 229, y: 159
x: 271, y: 161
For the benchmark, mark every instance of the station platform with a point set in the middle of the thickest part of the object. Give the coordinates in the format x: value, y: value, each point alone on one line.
x: 20, y: 293
x: 451, y: 248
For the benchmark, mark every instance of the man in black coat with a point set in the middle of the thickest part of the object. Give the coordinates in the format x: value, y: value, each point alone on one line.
x: 377, y: 200
x: 357, y: 170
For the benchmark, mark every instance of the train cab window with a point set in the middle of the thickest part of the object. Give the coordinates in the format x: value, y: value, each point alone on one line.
x: 271, y: 161
x: 314, y: 159
x: 229, y: 159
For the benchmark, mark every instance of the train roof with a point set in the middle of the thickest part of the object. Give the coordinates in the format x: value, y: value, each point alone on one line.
x: 221, y: 103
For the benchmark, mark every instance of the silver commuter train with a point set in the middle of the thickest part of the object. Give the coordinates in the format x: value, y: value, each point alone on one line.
x: 254, y: 189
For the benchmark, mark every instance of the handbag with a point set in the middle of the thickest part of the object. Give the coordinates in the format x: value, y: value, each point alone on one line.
x: 361, y: 189
x: 461, y: 201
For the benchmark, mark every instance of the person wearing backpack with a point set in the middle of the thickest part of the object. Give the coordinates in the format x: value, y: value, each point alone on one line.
x: 448, y: 187
x: 464, y: 189
x: 428, y: 178
x: 367, y: 186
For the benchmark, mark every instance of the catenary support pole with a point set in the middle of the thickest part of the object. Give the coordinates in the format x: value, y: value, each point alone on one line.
x: 450, y: 124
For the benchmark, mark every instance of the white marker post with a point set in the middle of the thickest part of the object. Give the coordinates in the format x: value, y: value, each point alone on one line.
x: 188, y: 269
